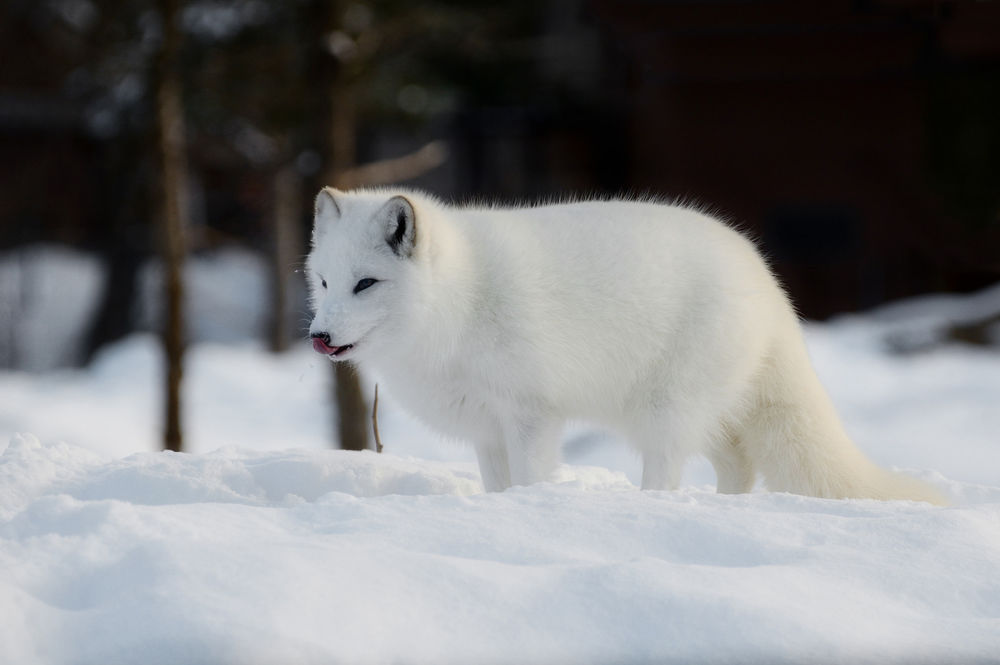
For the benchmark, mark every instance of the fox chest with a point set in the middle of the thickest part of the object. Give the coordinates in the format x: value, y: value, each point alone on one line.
x: 459, y: 402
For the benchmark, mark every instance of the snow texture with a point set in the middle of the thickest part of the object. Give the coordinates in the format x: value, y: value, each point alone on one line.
x: 263, y: 546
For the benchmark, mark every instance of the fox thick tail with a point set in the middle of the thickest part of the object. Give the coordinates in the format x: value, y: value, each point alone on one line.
x: 889, y: 485
x: 827, y: 464
x: 797, y: 442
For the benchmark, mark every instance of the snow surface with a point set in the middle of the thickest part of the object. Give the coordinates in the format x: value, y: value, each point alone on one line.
x: 264, y: 546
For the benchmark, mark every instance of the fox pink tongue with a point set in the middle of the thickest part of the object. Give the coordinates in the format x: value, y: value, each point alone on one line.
x: 322, y: 347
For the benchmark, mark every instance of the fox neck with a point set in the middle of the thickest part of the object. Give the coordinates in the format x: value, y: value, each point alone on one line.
x: 443, y: 306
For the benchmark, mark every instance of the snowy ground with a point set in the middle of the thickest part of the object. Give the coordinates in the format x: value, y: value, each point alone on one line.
x: 267, y: 547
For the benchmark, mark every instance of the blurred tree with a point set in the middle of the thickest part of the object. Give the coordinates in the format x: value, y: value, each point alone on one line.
x: 173, y: 214
x: 285, y: 246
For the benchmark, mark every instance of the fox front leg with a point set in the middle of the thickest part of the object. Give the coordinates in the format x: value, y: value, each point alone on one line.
x: 532, y: 450
x: 493, y: 466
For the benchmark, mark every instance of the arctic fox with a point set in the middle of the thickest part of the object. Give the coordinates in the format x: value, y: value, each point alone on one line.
x: 496, y: 325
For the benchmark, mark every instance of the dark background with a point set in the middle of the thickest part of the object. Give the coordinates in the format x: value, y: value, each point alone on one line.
x: 859, y: 142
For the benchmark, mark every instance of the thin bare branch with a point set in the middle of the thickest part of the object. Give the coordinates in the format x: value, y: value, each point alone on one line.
x: 397, y: 169
x: 378, y: 439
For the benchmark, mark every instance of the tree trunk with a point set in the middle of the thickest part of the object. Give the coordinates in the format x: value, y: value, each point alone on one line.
x: 126, y: 244
x: 173, y: 173
x: 352, y: 410
x: 285, y: 245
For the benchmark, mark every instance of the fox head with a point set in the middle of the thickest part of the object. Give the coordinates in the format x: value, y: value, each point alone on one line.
x: 360, y: 270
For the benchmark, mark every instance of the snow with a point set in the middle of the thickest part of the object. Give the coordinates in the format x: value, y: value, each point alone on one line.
x: 46, y: 292
x: 265, y: 546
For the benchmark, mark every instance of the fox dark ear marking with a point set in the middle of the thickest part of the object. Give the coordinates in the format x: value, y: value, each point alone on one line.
x: 400, y: 226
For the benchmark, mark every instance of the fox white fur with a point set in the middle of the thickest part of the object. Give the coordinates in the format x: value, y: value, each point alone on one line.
x: 497, y: 325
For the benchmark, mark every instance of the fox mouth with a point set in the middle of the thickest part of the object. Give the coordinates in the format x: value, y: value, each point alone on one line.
x: 320, y: 345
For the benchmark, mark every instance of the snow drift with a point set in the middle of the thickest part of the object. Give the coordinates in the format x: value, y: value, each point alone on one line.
x: 329, y: 556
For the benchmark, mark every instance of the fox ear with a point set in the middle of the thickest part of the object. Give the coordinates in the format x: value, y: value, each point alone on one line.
x: 327, y: 211
x: 400, y: 229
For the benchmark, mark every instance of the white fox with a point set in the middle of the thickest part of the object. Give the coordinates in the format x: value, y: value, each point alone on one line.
x: 496, y: 325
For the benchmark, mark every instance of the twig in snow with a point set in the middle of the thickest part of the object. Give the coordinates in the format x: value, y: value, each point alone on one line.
x: 378, y: 440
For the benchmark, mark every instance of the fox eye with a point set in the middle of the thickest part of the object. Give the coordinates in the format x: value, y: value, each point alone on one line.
x: 364, y: 284
x: 323, y: 282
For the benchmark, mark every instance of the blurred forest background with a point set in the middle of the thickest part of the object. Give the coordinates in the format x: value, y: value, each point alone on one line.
x: 160, y: 157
